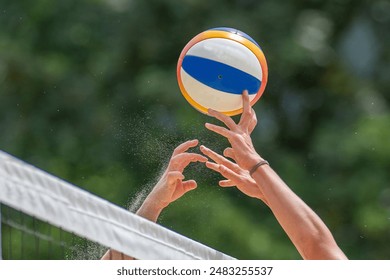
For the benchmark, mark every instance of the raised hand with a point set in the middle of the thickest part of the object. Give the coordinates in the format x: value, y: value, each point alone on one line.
x: 234, y: 174
x: 171, y: 186
x: 238, y: 135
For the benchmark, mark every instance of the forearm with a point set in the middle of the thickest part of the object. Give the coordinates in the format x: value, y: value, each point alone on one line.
x: 306, y: 230
x: 149, y: 210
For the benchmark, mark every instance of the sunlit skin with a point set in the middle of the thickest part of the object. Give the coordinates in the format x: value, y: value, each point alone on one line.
x: 235, y: 175
x: 306, y: 230
x: 170, y: 187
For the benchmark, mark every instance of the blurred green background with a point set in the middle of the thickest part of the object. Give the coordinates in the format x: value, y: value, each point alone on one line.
x: 88, y: 92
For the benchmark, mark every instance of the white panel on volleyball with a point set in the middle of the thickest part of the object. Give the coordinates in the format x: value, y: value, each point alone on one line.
x: 209, y: 97
x: 41, y: 195
x: 230, y: 53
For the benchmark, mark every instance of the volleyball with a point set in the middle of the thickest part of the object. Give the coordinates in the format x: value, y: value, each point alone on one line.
x: 217, y: 65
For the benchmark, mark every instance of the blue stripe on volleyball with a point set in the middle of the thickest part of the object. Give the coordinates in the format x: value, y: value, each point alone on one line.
x: 238, y: 32
x: 220, y: 76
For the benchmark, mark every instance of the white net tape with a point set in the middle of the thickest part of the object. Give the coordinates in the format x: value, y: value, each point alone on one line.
x: 41, y: 195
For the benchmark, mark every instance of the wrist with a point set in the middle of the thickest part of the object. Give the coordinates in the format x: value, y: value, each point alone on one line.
x: 257, y: 166
x: 252, y: 160
x: 150, y: 209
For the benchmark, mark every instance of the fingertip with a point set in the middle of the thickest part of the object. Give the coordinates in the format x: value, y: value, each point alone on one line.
x: 194, y: 184
x: 245, y: 96
x: 190, y: 185
x: 225, y: 152
x: 214, y: 113
x: 209, y: 126
x: 193, y: 142
x: 223, y: 183
x: 204, y: 159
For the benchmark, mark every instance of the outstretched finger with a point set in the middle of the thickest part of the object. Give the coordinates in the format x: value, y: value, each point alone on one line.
x: 226, y: 183
x: 229, y: 174
x: 228, y: 121
x: 246, y: 117
x: 218, y: 158
x: 222, y: 183
x: 180, y: 161
x: 185, y: 146
x: 219, y: 130
x: 213, y: 166
x: 246, y: 102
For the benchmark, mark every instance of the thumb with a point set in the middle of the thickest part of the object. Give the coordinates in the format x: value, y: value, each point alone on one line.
x: 173, y: 176
x: 189, y: 185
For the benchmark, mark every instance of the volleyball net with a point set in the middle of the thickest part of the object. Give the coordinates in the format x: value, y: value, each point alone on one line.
x: 44, y: 217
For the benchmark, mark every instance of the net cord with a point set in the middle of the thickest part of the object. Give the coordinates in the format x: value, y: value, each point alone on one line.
x: 44, y: 196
